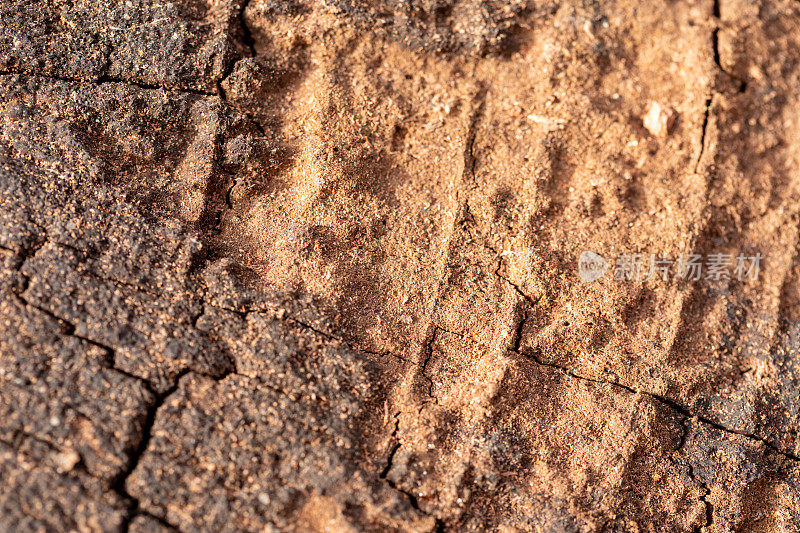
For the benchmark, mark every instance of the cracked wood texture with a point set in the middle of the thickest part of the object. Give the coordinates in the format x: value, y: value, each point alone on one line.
x: 310, y: 265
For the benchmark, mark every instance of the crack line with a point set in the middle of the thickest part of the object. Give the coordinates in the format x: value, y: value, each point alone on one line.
x: 672, y: 404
